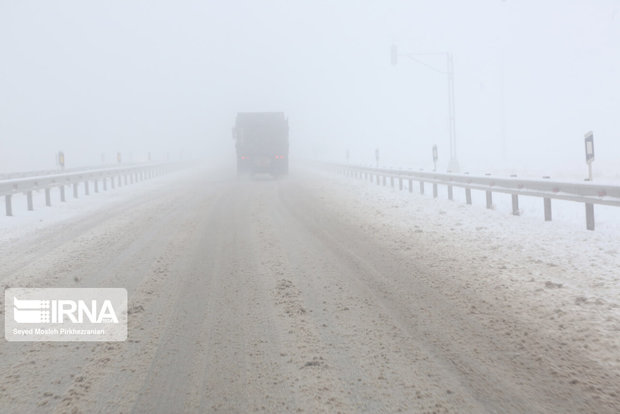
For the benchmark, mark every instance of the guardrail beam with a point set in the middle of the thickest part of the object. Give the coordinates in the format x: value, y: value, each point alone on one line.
x: 67, y: 181
x: 587, y: 193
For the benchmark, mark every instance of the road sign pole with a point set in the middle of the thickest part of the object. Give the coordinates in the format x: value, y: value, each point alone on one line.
x: 589, y: 141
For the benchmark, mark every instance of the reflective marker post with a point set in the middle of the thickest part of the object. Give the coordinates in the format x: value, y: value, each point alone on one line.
x: 589, y: 141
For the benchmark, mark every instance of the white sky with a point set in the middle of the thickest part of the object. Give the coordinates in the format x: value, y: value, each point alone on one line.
x: 93, y: 77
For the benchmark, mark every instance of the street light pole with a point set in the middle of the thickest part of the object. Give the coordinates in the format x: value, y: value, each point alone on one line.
x: 453, y: 164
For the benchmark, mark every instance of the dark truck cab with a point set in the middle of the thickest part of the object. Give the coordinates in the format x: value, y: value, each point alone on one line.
x: 261, y: 140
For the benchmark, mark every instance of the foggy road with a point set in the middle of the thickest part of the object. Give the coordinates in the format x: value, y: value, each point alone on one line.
x: 263, y: 295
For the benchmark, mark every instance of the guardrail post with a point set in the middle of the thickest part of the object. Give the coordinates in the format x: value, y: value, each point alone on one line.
x: 384, y: 180
x: 547, y: 209
x: 489, y: 199
x: 86, y: 188
x: 392, y: 181
x: 410, y: 185
x: 62, y: 193
x: 112, y: 182
x: 590, y: 216
x: 450, y: 193
x: 515, y: 204
x: 48, y: 198
x: 468, y: 195
x: 400, y: 183
x: 434, y: 190
x: 126, y: 179
x: 421, y: 187
x: 29, y: 199
x: 378, y: 180
x: 96, y: 182
x: 8, y: 206
x: 75, y: 190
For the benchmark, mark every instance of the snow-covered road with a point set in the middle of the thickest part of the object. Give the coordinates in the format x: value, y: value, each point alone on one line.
x: 317, y: 293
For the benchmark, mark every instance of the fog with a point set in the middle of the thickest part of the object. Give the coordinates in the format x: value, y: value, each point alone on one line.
x: 167, y: 78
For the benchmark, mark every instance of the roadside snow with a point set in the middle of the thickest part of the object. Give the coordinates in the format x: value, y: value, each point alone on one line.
x: 24, y: 223
x: 564, y: 278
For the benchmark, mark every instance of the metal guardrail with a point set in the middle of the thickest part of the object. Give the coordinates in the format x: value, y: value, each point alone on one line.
x: 588, y: 193
x: 112, y: 176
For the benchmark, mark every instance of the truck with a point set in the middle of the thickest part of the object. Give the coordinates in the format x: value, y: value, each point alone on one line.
x: 261, y: 141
